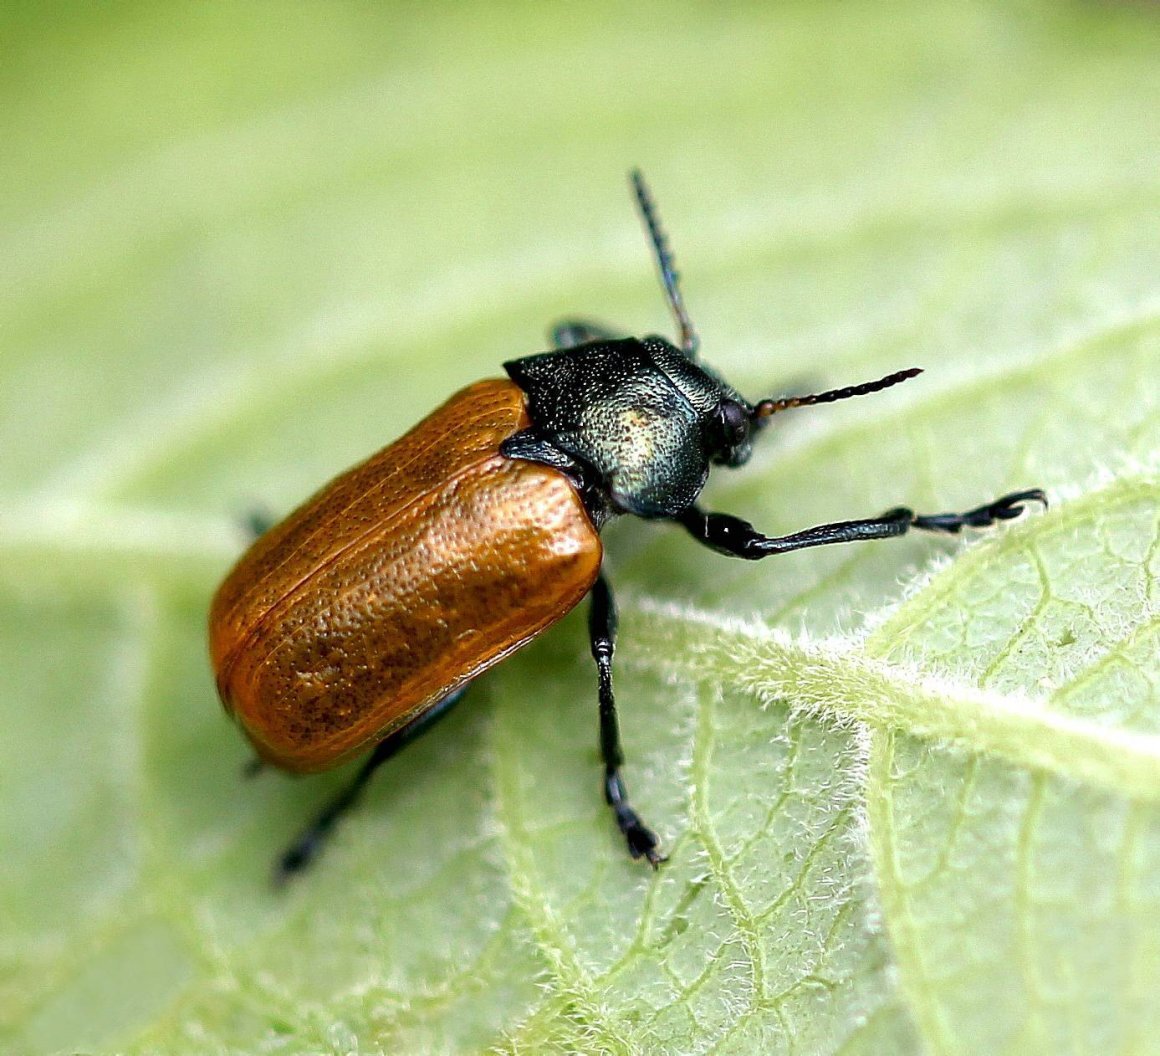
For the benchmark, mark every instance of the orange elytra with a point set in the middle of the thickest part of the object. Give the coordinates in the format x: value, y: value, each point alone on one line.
x: 398, y: 583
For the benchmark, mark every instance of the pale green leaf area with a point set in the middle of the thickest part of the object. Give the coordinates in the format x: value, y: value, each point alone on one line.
x: 910, y: 789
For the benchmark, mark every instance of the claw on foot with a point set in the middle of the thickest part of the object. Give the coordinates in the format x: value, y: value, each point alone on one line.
x: 1006, y: 508
x: 642, y: 841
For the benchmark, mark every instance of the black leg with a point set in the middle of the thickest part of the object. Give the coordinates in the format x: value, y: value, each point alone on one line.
x: 310, y: 840
x: 259, y: 522
x: 568, y: 333
x: 642, y: 841
x: 737, y: 538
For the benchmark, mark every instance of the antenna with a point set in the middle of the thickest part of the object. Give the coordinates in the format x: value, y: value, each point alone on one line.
x: 767, y: 407
x: 690, y: 342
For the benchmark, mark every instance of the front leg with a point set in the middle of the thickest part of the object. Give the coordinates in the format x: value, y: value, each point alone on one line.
x: 737, y: 538
x: 641, y: 839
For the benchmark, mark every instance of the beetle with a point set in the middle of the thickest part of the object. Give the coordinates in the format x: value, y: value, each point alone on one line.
x: 359, y: 620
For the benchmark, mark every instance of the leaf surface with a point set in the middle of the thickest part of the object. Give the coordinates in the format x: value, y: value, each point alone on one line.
x: 909, y: 790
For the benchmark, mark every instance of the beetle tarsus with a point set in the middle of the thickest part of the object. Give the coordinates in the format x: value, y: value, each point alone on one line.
x: 258, y: 522
x: 310, y: 841
x: 294, y: 860
x: 642, y: 841
x: 1006, y: 508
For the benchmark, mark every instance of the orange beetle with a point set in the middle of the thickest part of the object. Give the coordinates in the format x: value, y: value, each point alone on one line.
x: 360, y: 619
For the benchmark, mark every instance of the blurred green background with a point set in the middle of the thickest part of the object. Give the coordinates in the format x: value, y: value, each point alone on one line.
x: 242, y: 246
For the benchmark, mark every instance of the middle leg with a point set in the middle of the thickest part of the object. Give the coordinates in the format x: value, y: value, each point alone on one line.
x: 642, y: 841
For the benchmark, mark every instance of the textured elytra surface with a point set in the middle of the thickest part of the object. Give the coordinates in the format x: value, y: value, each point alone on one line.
x: 396, y: 584
x: 908, y: 789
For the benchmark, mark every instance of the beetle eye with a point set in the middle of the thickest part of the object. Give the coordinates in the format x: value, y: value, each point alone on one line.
x: 733, y: 423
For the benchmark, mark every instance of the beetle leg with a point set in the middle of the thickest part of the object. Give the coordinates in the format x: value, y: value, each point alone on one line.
x: 259, y: 521
x: 528, y: 446
x: 310, y: 840
x: 568, y: 333
x: 737, y: 538
x: 641, y: 839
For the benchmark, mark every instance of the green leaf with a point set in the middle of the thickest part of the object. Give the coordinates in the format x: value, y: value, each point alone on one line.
x: 910, y: 790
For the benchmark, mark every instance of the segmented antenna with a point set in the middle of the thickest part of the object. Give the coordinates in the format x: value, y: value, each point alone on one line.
x: 690, y: 342
x: 767, y: 407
